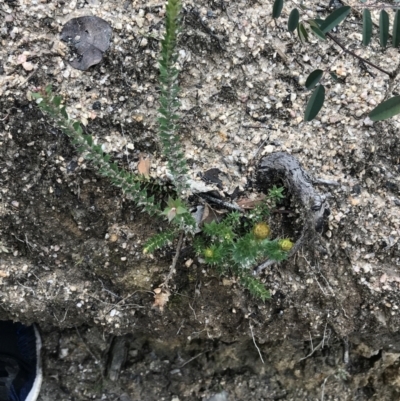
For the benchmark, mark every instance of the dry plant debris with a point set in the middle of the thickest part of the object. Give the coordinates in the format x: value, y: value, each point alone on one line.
x: 89, y: 37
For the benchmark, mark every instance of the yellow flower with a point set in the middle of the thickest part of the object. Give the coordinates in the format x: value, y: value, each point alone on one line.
x: 261, y: 230
x: 208, y: 253
x: 286, y: 245
x: 228, y: 236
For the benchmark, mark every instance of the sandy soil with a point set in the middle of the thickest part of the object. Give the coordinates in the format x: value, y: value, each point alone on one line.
x: 70, y: 243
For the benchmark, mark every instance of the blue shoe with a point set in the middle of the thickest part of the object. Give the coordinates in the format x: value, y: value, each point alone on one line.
x: 20, y: 367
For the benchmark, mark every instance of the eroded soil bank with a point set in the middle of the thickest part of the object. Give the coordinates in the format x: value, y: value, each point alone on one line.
x: 71, y: 244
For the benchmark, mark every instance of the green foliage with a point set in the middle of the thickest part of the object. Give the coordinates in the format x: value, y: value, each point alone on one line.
x: 293, y: 20
x: 276, y: 193
x: 234, y: 220
x: 214, y: 254
x: 277, y: 8
x: 169, y: 102
x: 315, y: 103
x: 334, y: 19
x: 383, y: 28
x: 219, y: 231
x: 302, y: 32
x: 258, y: 214
x: 321, y: 29
x: 133, y: 184
x: 245, y: 251
x: 130, y: 183
x: 315, y: 28
x: 174, y: 209
x: 367, y: 27
x: 255, y: 287
x: 314, y: 78
x: 178, y: 213
x: 396, y: 30
x: 159, y: 241
x: 262, y: 211
x: 232, y: 246
x: 385, y: 110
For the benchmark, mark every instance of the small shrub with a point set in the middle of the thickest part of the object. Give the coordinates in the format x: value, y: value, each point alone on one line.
x: 233, y: 245
x: 239, y: 242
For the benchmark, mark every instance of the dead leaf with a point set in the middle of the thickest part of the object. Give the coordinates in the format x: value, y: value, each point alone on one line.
x: 210, y: 214
x: 247, y: 203
x: 211, y: 175
x: 89, y: 37
x: 144, y: 165
x: 223, y: 136
x: 206, y: 213
x: 161, y: 298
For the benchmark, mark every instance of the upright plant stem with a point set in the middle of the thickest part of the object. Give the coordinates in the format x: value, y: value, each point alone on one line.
x: 174, y: 261
x: 169, y: 102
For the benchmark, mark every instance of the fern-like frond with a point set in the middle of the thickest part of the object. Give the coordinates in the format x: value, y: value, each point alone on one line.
x: 169, y: 102
x: 220, y: 231
x: 159, y: 240
x: 246, y: 250
x: 132, y: 184
x: 273, y: 250
x: 255, y: 287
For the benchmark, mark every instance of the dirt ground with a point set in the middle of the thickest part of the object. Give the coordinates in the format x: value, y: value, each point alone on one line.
x: 71, y: 244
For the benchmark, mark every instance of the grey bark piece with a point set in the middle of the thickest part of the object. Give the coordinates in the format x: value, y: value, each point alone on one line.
x: 315, y: 207
x: 90, y: 38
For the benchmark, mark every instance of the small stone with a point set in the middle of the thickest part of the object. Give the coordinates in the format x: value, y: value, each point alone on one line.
x: 64, y: 353
x: 354, y: 201
x: 27, y: 66
x: 21, y: 59
x: 113, y: 237
x: 96, y: 105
